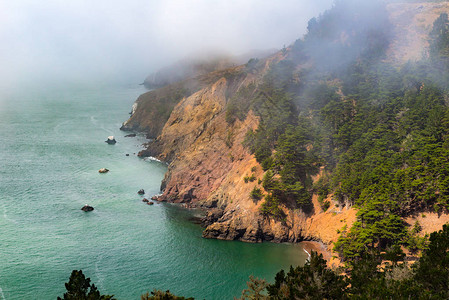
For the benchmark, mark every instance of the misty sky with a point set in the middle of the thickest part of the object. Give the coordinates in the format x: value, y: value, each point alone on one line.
x: 59, y: 41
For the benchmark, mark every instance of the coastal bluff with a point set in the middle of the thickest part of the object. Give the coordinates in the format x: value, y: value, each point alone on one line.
x: 207, y: 163
x: 199, y: 126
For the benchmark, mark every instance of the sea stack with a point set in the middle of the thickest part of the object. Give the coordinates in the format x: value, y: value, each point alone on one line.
x: 111, y: 140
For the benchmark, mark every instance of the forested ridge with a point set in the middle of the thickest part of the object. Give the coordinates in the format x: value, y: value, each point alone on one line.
x: 376, y: 132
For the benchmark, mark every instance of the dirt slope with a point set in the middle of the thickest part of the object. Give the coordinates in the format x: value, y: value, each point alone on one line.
x: 412, y: 24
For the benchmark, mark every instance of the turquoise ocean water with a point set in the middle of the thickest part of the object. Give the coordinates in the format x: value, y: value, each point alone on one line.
x: 51, y: 148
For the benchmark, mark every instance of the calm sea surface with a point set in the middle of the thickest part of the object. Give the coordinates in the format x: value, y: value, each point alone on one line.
x: 51, y: 148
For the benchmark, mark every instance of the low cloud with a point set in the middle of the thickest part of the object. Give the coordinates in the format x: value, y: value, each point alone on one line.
x: 103, y: 41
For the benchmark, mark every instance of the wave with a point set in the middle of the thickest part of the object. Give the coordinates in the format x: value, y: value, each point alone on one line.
x: 151, y: 158
x: 5, y: 216
x: 57, y: 128
x: 100, y: 277
x: 309, y: 256
x: 94, y: 121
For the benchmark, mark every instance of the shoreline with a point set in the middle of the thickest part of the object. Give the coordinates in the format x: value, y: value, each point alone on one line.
x: 318, y: 247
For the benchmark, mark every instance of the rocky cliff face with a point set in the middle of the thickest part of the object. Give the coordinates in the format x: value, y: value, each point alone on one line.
x: 208, y: 164
x: 151, y: 110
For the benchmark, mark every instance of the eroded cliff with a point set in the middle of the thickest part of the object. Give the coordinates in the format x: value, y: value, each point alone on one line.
x: 208, y: 164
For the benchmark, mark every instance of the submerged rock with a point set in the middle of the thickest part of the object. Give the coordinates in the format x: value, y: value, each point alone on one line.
x: 87, y: 208
x: 111, y: 140
x: 141, y: 192
x: 103, y: 170
x: 130, y: 135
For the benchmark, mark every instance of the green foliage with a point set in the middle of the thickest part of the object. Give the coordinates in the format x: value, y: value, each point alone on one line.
x: 256, y: 194
x: 322, y: 188
x: 415, y: 243
x: 270, y: 208
x: 416, y: 228
x: 426, y: 279
x: 432, y: 270
x: 351, y: 30
x: 318, y: 95
x: 255, y: 290
x: 439, y: 46
x: 249, y: 178
x: 160, y: 295
x: 313, y: 281
x: 293, y: 194
x: 79, y: 288
x: 381, y: 133
x: 366, y: 280
x: 377, y: 227
x: 325, y: 206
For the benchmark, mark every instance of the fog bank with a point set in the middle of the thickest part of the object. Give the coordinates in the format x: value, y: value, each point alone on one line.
x: 58, y: 41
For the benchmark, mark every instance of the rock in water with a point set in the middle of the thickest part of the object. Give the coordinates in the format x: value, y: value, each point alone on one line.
x: 103, y: 170
x: 145, y: 200
x: 111, y: 140
x: 87, y: 208
x: 150, y: 203
x: 141, y: 192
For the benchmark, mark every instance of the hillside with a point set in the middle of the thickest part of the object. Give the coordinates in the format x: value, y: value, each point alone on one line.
x: 325, y: 140
x: 194, y: 67
x: 412, y: 25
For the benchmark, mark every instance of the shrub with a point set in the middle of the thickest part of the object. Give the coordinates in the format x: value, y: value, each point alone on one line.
x: 325, y: 206
x: 256, y: 193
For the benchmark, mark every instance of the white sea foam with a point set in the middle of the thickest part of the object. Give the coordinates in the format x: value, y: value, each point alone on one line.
x: 150, y: 158
x: 2, y: 296
x: 5, y: 216
x: 98, y: 274
x: 308, y: 258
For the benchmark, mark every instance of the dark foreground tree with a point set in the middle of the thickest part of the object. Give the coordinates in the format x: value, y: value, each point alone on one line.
x: 79, y: 288
x: 313, y: 281
x: 160, y: 295
x: 256, y: 289
x: 432, y: 270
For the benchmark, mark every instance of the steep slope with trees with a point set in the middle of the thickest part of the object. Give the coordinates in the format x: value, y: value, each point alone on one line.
x: 326, y: 128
